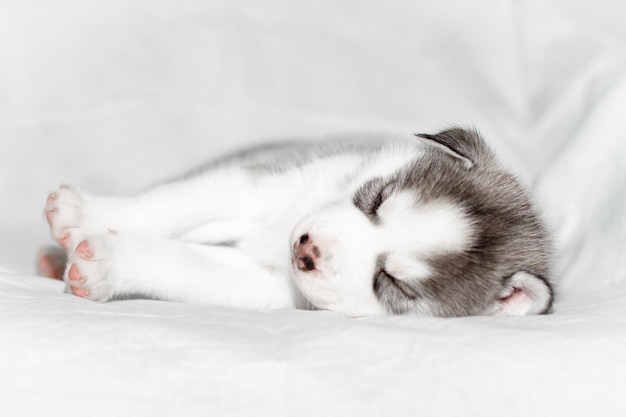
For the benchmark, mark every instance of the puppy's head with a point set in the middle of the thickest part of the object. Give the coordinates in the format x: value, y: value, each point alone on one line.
x: 445, y: 233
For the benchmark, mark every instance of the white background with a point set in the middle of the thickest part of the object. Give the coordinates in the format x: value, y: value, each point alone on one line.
x: 115, y: 95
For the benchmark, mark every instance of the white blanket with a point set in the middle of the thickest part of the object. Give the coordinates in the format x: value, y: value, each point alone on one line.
x: 115, y: 95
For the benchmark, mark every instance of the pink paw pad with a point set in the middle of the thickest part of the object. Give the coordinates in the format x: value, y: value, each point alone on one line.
x: 74, y: 275
x: 80, y: 292
x: 77, y: 280
x: 50, y: 267
x: 50, y: 216
x: 83, y: 250
x: 52, y: 198
x: 63, y: 240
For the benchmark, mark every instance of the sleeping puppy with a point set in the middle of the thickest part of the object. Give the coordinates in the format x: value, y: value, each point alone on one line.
x: 429, y: 225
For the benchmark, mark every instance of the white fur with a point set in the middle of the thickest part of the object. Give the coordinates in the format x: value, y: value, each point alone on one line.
x: 351, y: 243
x: 226, y: 236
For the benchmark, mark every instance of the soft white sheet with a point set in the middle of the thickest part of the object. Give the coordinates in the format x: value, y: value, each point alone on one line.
x: 114, y: 95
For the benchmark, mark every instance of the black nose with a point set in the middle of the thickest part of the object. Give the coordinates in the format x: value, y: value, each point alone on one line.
x: 309, y: 265
x: 306, y: 253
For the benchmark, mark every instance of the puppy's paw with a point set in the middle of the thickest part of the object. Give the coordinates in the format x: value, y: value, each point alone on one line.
x: 87, y: 272
x: 64, y: 214
x: 51, y: 262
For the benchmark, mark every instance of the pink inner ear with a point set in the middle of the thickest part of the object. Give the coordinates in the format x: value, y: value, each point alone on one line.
x: 511, y: 295
x: 517, y: 302
x: 524, y: 294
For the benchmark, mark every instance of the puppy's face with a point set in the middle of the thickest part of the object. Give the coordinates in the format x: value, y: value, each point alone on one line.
x: 446, y: 234
x: 349, y: 257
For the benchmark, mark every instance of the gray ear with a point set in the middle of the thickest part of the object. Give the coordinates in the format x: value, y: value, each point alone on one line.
x: 524, y: 294
x: 465, y: 145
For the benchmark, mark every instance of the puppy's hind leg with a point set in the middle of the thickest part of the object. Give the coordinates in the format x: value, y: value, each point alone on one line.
x: 169, y: 210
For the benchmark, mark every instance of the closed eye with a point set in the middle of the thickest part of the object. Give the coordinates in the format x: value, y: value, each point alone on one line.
x: 370, y: 196
x: 383, y: 281
x: 378, y: 201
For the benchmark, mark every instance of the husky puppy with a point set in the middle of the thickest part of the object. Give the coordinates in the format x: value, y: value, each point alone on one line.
x: 429, y: 226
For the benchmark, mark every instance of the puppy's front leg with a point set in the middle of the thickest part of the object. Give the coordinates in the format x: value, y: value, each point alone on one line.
x: 121, y: 265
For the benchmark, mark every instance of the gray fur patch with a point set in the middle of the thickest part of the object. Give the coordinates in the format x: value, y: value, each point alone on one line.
x: 509, y: 235
x: 281, y: 157
x: 370, y: 196
x: 398, y: 296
